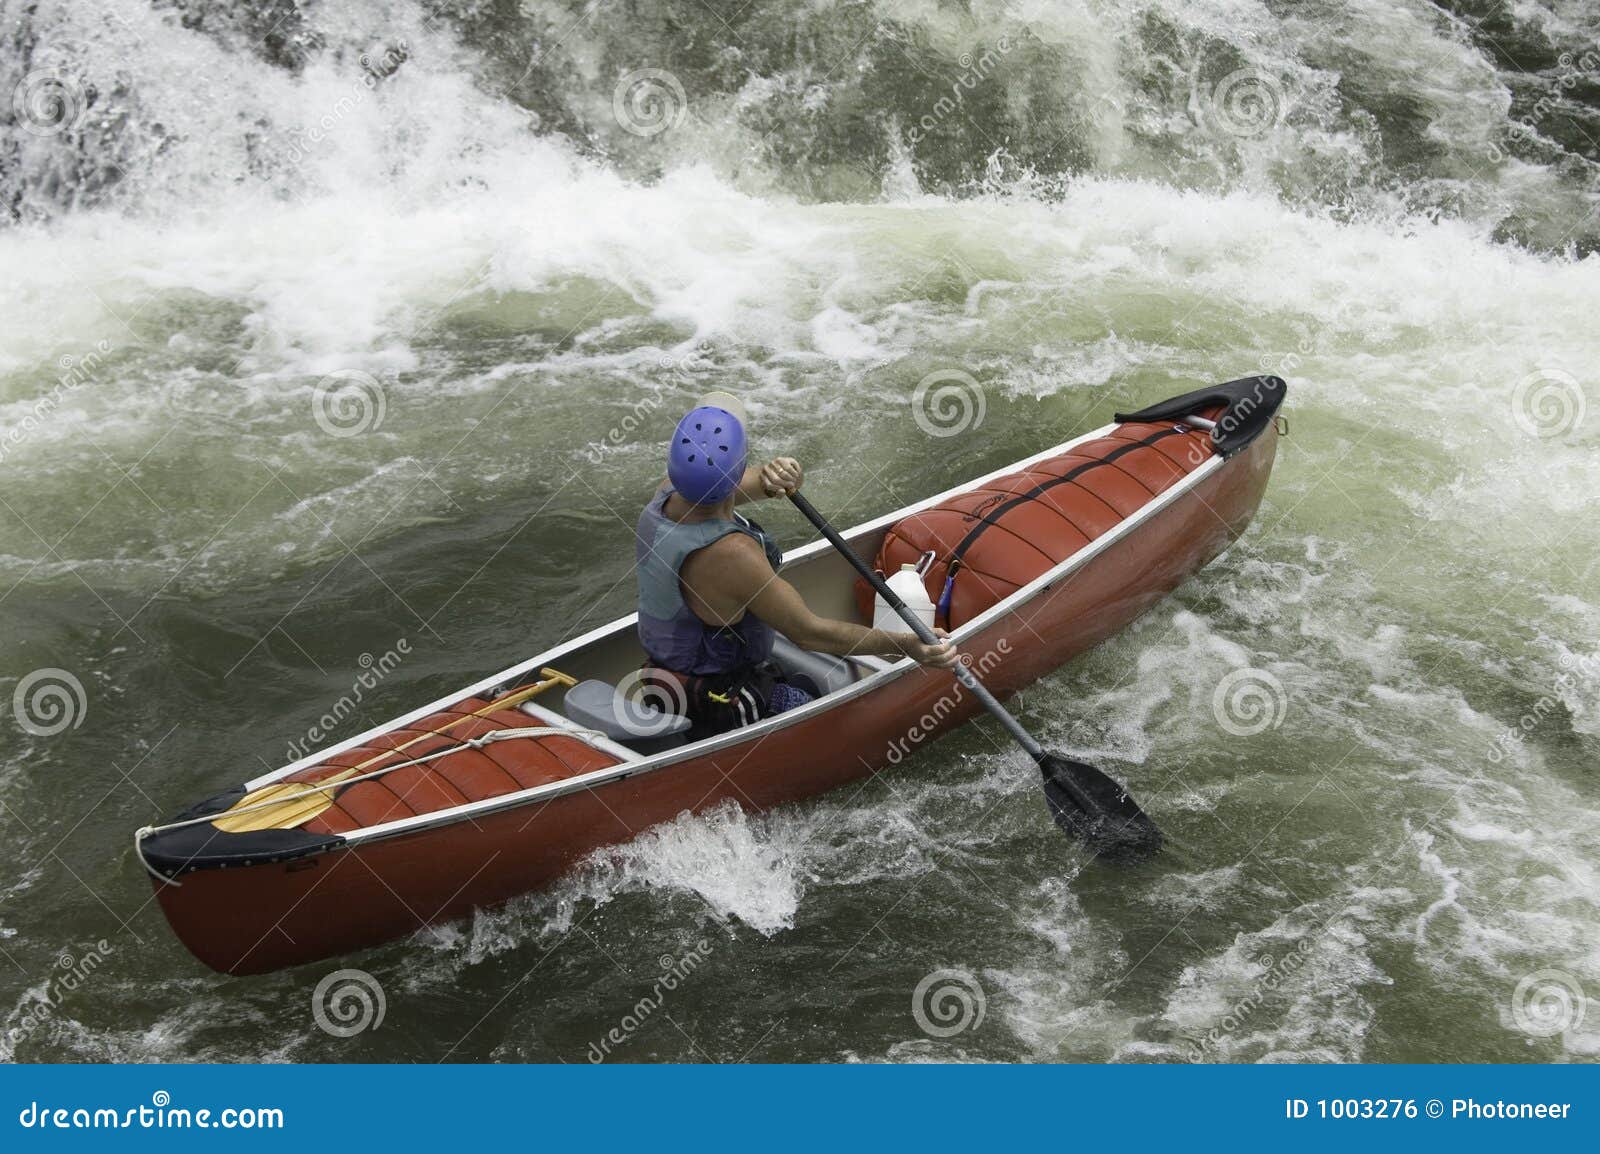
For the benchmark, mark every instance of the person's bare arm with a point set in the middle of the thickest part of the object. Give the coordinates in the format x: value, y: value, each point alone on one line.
x: 733, y: 576
x: 781, y: 475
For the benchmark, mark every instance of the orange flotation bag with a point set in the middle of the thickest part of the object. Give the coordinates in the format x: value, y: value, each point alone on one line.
x: 989, y: 542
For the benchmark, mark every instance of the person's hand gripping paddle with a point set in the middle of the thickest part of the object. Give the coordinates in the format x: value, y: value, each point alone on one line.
x: 1084, y: 801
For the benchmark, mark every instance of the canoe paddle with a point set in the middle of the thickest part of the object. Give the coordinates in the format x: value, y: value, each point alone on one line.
x: 1085, y: 802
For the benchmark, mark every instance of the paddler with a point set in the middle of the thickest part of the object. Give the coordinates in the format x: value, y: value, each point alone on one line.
x: 710, y: 599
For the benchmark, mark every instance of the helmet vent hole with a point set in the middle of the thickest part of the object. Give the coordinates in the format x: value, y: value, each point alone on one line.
x: 691, y: 458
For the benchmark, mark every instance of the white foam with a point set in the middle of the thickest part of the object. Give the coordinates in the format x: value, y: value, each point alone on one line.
x: 1291, y: 991
x: 431, y: 208
x: 740, y: 868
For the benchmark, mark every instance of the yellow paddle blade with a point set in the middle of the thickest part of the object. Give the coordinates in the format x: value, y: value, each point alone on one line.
x: 287, y: 804
x: 294, y: 806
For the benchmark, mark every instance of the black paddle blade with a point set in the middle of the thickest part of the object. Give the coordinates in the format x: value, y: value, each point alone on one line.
x: 1091, y: 806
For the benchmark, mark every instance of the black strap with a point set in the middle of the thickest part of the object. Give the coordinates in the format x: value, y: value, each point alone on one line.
x: 993, y: 516
x: 743, y: 697
x: 768, y: 543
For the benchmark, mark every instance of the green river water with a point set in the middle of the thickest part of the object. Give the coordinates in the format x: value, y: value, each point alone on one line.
x: 520, y: 239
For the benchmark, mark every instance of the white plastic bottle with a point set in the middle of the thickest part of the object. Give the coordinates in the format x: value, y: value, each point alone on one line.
x: 908, y: 584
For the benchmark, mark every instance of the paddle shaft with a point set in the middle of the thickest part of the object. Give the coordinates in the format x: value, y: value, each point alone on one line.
x: 924, y: 634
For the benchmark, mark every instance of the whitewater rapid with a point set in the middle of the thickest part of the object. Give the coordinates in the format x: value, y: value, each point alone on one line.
x: 467, y: 233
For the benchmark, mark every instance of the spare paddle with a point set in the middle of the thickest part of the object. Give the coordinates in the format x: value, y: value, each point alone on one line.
x: 303, y: 800
x: 1084, y: 802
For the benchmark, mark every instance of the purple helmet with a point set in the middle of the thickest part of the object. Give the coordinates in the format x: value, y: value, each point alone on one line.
x: 706, y: 460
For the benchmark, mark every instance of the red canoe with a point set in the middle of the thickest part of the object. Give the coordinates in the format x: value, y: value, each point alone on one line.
x: 1057, y: 552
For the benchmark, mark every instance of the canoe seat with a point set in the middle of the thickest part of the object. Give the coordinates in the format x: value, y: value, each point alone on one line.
x: 597, y: 705
x: 819, y: 674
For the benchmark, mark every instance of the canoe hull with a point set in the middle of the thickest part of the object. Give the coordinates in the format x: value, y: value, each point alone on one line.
x: 266, y: 917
